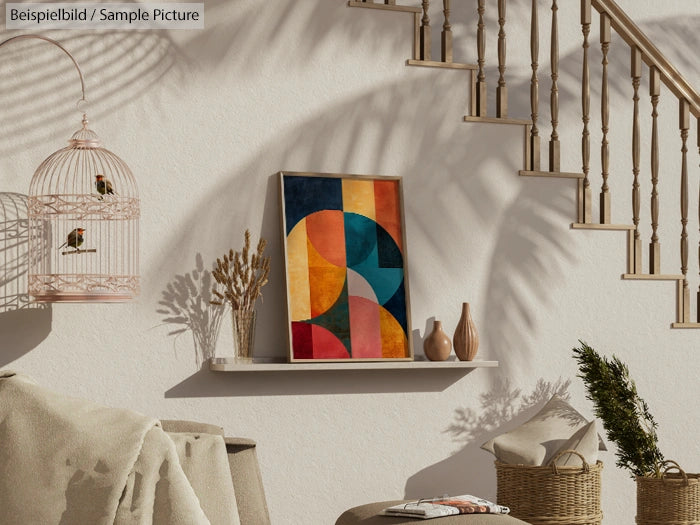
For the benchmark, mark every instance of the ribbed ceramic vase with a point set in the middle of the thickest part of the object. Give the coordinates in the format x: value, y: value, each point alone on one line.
x: 466, y: 338
x: 437, y: 346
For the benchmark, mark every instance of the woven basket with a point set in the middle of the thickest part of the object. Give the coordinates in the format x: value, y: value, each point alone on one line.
x: 551, y: 495
x: 672, y: 499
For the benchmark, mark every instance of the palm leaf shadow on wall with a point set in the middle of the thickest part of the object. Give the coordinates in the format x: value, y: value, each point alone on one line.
x: 394, y: 118
x: 40, y: 90
x: 471, y: 469
x: 185, y: 303
x: 338, y: 137
x: 23, y: 324
x: 120, y: 66
x: 394, y: 114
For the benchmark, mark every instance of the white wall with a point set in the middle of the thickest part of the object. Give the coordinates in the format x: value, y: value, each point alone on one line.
x: 206, y: 118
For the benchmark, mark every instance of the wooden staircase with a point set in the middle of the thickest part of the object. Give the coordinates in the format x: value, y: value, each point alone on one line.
x: 642, y: 50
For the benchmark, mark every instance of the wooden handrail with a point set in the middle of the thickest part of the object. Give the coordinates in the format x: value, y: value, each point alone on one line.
x: 630, y: 33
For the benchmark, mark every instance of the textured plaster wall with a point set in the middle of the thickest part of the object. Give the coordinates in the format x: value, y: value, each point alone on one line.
x: 206, y: 118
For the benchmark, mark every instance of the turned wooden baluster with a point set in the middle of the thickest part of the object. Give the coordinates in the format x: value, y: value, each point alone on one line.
x: 584, y: 187
x: 684, y: 125
x: 425, y: 32
x: 501, y: 90
x: 446, y: 33
x: 554, y: 146
x: 481, y: 50
x: 654, y: 245
x: 534, y: 89
x: 605, y: 119
x: 636, y: 149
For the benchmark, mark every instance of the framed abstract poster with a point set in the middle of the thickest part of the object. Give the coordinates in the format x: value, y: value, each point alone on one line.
x: 345, y: 262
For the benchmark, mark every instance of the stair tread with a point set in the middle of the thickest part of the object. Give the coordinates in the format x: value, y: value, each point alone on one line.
x: 652, y: 277
x: 685, y: 325
x: 444, y: 65
x: 400, y: 8
x: 551, y: 174
x: 611, y: 227
x: 496, y: 120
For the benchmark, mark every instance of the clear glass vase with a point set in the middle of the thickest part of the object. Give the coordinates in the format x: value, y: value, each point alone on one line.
x: 243, y: 335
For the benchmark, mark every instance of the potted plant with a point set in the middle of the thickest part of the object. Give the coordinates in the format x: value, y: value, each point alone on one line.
x: 662, y: 496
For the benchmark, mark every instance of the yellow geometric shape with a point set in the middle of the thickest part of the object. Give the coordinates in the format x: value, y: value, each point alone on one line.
x: 358, y: 197
x: 394, y: 341
x: 325, y: 281
x: 298, y: 273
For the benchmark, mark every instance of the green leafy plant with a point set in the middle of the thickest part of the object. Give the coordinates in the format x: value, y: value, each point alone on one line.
x: 626, y: 416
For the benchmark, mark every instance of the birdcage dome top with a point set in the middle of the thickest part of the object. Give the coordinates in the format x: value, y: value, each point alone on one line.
x: 85, y: 138
x: 74, y: 170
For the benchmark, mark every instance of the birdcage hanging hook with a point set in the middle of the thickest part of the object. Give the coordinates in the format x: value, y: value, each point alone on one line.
x: 83, y: 211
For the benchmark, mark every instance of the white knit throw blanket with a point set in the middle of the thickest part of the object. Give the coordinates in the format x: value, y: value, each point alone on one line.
x: 67, y: 461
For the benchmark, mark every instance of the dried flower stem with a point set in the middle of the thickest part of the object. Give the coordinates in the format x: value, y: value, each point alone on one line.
x: 242, y: 276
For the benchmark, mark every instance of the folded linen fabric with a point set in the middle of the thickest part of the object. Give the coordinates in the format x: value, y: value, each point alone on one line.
x: 69, y: 461
x: 205, y: 463
x: 448, y: 506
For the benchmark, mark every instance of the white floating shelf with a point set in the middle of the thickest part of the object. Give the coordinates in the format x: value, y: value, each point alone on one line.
x: 220, y: 364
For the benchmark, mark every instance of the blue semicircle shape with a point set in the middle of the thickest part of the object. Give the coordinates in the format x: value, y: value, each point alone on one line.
x: 372, y: 253
x: 360, y: 238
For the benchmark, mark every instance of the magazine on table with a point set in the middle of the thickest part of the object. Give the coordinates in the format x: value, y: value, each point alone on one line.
x: 446, y: 506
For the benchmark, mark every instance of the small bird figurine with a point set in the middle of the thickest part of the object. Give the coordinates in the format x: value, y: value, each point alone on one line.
x: 75, y: 239
x: 103, y: 186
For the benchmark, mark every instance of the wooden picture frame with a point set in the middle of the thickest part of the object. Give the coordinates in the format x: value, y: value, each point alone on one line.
x: 345, y: 267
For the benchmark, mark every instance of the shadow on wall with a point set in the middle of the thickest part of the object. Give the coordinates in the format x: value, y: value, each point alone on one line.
x: 527, y: 263
x: 23, y: 325
x: 471, y: 469
x: 353, y: 137
x: 311, y: 382
x: 42, y: 88
x: 186, y: 304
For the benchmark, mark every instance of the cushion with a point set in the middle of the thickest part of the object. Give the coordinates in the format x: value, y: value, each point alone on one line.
x: 585, y: 442
x: 540, y: 438
x: 369, y: 515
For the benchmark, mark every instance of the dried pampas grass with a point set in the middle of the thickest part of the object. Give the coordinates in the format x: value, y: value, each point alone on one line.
x: 242, y: 276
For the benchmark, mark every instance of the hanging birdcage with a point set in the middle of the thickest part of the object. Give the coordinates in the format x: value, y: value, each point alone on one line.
x: 83, y: 211
x: 84, y: 205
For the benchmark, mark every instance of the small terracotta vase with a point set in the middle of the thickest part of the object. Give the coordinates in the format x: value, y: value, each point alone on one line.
x: 466, y: 338
x: 437, y: 345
